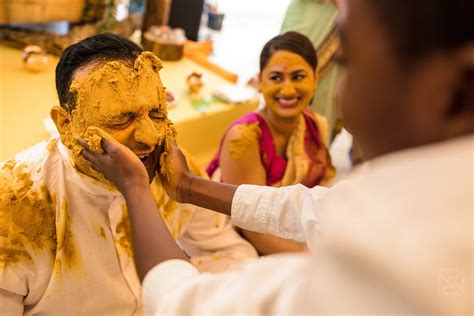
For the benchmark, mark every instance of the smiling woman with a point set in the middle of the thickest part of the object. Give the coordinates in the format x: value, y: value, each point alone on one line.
x: 284, y: 143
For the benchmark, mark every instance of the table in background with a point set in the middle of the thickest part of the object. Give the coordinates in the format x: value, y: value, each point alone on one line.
x: 26, y: 99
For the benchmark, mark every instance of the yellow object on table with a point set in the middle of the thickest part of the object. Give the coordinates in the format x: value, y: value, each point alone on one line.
x: 26, y: 99
x: 41, y: 11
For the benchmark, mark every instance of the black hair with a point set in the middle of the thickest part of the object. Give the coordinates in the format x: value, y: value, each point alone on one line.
x: 293, y: 42
x: 420, y: 27
x: 98, y: 48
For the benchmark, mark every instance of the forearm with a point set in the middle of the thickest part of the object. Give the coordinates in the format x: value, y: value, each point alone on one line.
x: 267, y: 244
x: 152, y: 241
x: 205, y: 193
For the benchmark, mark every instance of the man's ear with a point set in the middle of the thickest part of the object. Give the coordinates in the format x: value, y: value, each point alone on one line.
x: 461, y: 109
x: 61, y: 119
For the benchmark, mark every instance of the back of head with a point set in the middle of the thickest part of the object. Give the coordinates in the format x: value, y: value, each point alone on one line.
x: 95, y: 49
x: 293, y: 42
x: 409, y: 72
x: 421, y: 27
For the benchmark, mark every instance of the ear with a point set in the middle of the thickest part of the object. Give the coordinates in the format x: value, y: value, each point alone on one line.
x: 461, y: 106
x: 255, y: 82
x: 61, y: 119
x: 258, y: 83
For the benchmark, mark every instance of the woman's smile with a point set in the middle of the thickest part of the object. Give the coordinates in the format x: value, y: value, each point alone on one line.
x: 288, y: 103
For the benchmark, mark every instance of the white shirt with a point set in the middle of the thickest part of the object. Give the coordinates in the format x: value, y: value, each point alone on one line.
x: 397, y: 237
x: 82, y: 262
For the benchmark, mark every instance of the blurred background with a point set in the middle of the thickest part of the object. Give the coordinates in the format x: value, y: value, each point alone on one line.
x: 220, y: 39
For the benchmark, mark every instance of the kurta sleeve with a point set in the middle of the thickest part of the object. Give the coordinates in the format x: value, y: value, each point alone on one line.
x: 287, y: 212
x: 10, y: 303
x: 12, y: 291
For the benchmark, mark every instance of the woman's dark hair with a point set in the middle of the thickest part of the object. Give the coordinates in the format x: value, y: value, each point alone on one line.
x: 420, y: 27
x: 95, y: 49
x: 293, y: 42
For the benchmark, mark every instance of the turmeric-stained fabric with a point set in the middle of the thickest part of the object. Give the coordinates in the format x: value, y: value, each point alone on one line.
x: 65, y: 243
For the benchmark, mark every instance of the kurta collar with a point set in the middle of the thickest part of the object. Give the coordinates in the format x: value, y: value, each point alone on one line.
x: 87, y: 183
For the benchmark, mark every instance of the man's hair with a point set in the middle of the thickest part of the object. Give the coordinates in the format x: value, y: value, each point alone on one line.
x: 95, y: 49
x: 293, y: 42
x: 421, y: 27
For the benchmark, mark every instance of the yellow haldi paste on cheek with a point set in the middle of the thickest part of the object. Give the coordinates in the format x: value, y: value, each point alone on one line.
x: 169, y: 139
x: 93, y: 137
x: 27, y: 216
x: 123, y: 101
x: 93, y: 140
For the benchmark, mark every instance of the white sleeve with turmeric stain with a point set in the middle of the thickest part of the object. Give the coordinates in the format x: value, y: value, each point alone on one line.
x: 12, y: 292
x: 240, y: 160
x: 27, y: 218
x: 10, y: 303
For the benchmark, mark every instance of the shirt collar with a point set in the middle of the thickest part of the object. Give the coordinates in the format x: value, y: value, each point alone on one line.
x: 87, y: 183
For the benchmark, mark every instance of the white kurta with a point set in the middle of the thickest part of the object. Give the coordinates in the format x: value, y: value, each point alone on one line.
x: 88, y: 269
x: 397, y: 237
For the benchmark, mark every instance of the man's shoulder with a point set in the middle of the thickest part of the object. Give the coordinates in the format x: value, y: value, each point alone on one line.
x: 27, y: 209
x: 31, y: 159
x: 36, y: 152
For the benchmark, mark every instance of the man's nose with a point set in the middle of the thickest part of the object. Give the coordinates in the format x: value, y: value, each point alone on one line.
x: 146, y: 132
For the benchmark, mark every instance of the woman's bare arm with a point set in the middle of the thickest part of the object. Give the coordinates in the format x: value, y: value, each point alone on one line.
x: 240, y: 163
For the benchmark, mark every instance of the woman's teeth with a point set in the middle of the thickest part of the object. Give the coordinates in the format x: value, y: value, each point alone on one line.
x: 288, y: 102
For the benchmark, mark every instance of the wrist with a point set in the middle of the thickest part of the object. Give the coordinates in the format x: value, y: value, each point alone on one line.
x: 184, y: 188
x: 134, y: 190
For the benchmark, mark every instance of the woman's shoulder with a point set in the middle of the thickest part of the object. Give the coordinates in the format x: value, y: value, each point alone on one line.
x: 244, y: 136
x: 240, y: 141
x: 247, y: 127
x: 248, y: 118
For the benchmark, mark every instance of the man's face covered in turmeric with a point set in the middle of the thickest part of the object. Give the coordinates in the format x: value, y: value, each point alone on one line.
x: 127, y: 102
